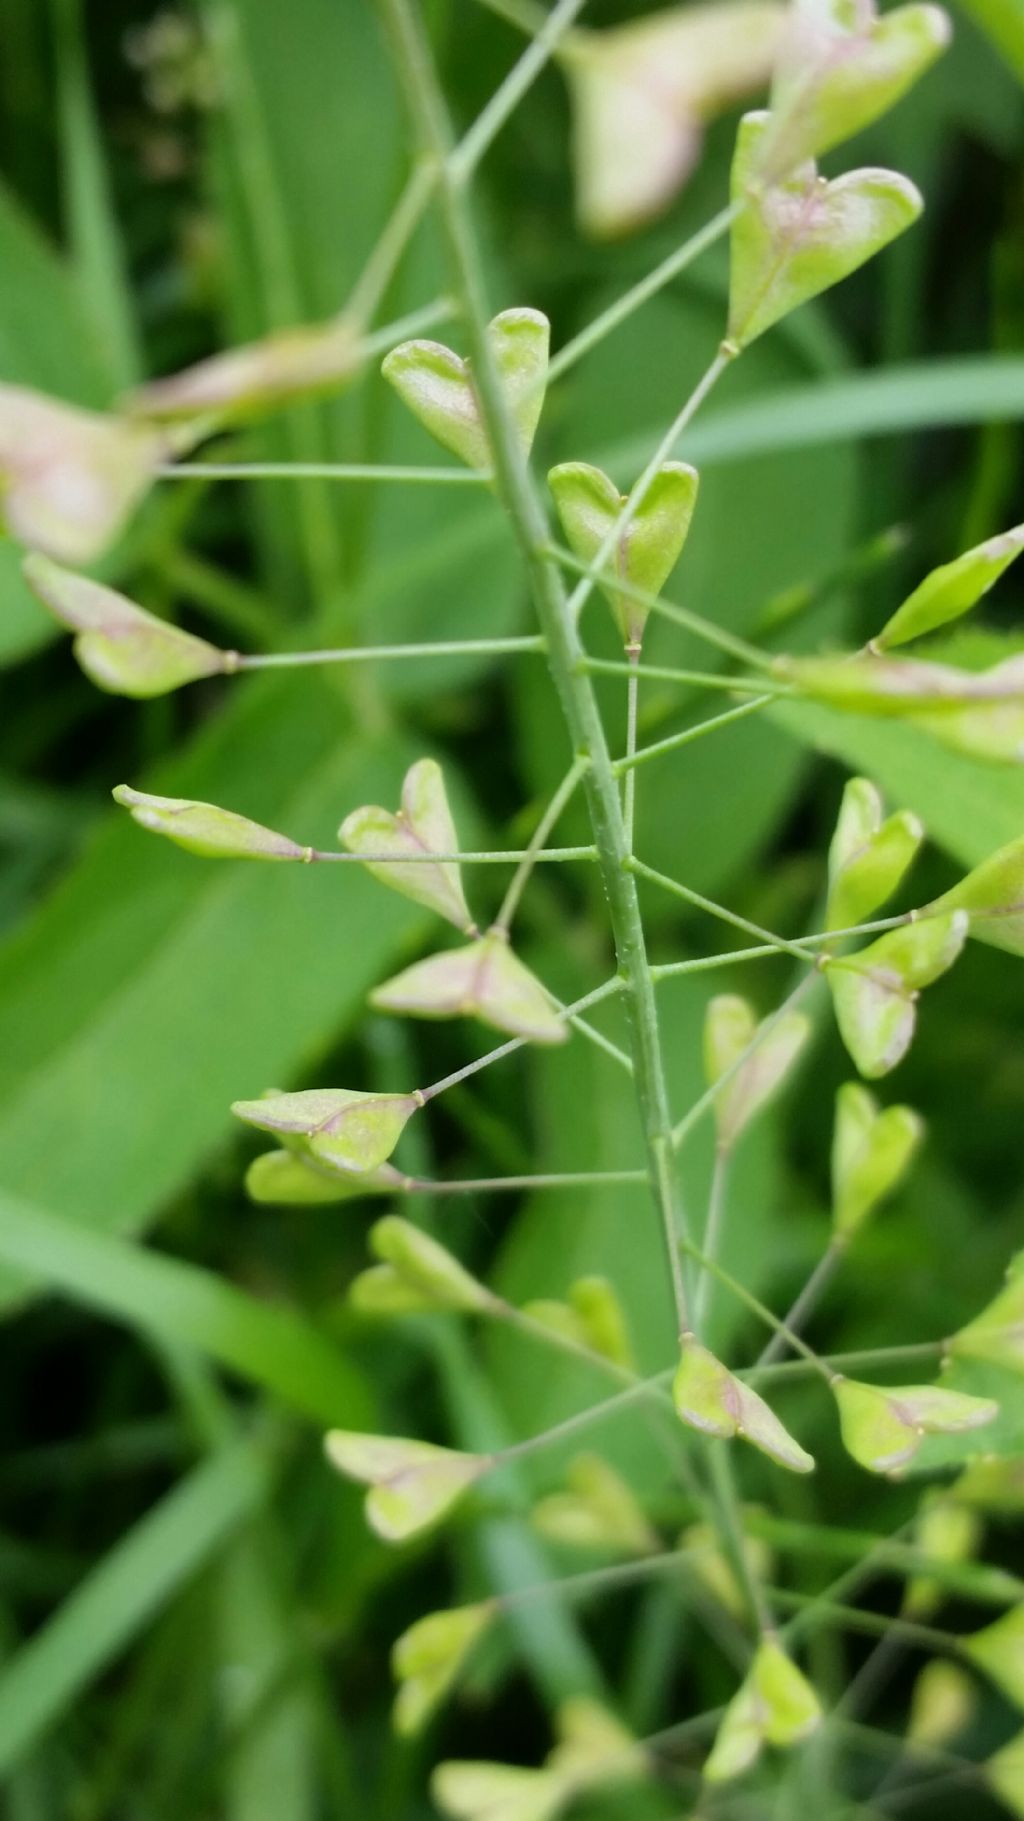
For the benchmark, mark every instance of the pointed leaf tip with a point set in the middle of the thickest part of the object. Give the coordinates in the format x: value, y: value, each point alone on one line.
x: 709, y: 1397
x: 801, y: 236
x: 422, y: 826
x: 120, y: 646
x: 412, y: 1484
x: 438, y: 387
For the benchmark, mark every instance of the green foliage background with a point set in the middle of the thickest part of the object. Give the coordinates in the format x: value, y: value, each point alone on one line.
x: 194, y: 1621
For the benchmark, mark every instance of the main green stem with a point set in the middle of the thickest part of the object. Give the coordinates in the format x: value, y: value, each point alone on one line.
x: 565, y: 653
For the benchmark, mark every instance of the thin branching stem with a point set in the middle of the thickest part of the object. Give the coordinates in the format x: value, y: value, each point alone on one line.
x: 516, y: 1043
x: 721, y: 911
x: 394, y: 237
x: 377, y: 472
x: 700, y: 679
x: 638, y: 294
x: 562, y: 796
x: 565, y: 652
x: 682, y: 616
x: 463, y: 159
x: 626, y: 766
x: 808, y: 1299
x: 389, y: 654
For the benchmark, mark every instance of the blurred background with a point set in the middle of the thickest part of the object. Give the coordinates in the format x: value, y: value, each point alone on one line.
x: 194, y: 1620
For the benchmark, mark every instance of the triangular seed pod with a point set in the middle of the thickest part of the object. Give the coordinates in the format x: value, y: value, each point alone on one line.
x: 947, y: 1532
x: 1004, y: 1772
x: 977, y: 712
x: 951, y: 590
x: 874, y: 992
x: 839, y: 68
x: 642, y: 94
x: 998, y: 1649
x: 412, y: 1484
x: 422, y: 826
x: 868, y: 856
x: 261, y: 376
x: 730, y: 1028
x: 340, y: 1126
x: 70, y: 479
x: 603, y: 1319
x: 775, y: 1705
x: 997, y: 1334
x: 646, y: 551
x: 598, y: 1511
x: 883, y: 1426
x: 793, y: 241
x: 429, y: 1268
x: 486, y: 981
x: 993, y: 897
x: 437, y: 386
x: 288, y: 1179
x: 711, y: 1566
x: 593, y: 1745
x: 120, y: 646
x: 469, y: 1791
x: 942, y: 1704
x: 709, y: 1397
x: 871, y: 1153
x: 207, y: 830
x: 427, y: 1657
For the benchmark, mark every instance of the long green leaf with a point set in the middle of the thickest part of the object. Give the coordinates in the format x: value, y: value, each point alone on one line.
x: 273, y: 1347
x: 119, y: 1597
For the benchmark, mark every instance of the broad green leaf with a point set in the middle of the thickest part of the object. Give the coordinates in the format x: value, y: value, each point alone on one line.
x: 412, y: 1484
x: 708, y: 1397
x: 113, y: 998
x: 839, y: 67
x: 951, y: 590
x: 775, y: 1705
x: 175, y: 1540
x: 205, y: 829
x: 647, y: 550
x: 275, y: 1347
x: 422, y: 826
x: 486, y: 980
x: 642, y: 93
x: 803, y: 235
x: 437, y: 385
x: 118, y: 644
